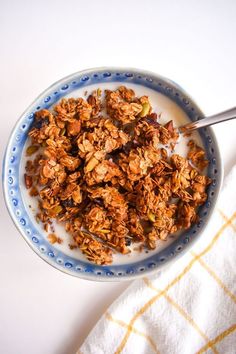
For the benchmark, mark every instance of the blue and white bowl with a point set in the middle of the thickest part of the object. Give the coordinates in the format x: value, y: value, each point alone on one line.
x: 166, y: 96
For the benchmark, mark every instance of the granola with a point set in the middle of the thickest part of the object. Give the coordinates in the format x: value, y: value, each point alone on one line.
x: 112, y: 179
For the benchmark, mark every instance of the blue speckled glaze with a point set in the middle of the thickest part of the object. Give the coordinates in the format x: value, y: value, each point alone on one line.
x: 26, y: 225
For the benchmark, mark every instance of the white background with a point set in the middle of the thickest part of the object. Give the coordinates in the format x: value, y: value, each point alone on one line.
x: 43, y: 311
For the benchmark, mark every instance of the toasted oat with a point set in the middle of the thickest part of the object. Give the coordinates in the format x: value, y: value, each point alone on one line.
x: 94, y: 250
x: 108, y: 179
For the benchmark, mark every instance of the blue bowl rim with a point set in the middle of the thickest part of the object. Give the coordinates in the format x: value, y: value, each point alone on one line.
x: 96, y: 277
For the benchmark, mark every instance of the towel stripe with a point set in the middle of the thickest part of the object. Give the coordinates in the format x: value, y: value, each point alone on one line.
x: 182, y: 312
x: 225, y: 219
x: 174, y: 281
x: 134, y: 330
x: 215, y: 238
x: 217, y: 279
x: 218, y: 339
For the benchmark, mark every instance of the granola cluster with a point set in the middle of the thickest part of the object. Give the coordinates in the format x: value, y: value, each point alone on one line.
x: 106, y: 169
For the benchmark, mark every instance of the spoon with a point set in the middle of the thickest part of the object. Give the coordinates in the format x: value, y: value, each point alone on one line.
x: 204, y: 122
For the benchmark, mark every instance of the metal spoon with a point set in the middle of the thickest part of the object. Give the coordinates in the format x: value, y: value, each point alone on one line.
x: 204, y: 122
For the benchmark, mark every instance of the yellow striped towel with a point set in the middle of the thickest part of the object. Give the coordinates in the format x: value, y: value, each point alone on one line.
x: 187, y: 308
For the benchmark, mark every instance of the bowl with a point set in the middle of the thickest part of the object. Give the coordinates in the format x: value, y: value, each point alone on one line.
x: 169, y: 97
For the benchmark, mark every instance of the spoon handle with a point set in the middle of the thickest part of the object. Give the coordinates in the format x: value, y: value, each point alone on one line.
x: 204, y: 122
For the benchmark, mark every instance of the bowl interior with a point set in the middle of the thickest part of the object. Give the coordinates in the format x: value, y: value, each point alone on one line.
x: 166, y: 97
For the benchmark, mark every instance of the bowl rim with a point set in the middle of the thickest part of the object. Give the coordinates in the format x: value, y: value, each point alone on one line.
x: 96, y: 277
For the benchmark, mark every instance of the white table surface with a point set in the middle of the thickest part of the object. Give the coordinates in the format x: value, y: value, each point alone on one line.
x: 43, y: 311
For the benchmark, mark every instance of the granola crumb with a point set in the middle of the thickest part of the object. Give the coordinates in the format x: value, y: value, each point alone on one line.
x: 53, y: 238
x: 72, y: 247
x: 197, y: 155
x: 28, y: 181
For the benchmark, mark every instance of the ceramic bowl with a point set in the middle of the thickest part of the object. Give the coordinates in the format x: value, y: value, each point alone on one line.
x: 169, y: 97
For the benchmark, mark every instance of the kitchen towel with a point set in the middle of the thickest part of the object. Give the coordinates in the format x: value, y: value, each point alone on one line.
x: 189, y: 307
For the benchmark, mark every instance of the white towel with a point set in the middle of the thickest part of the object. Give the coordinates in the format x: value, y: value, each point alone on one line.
x: 190, y: 307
